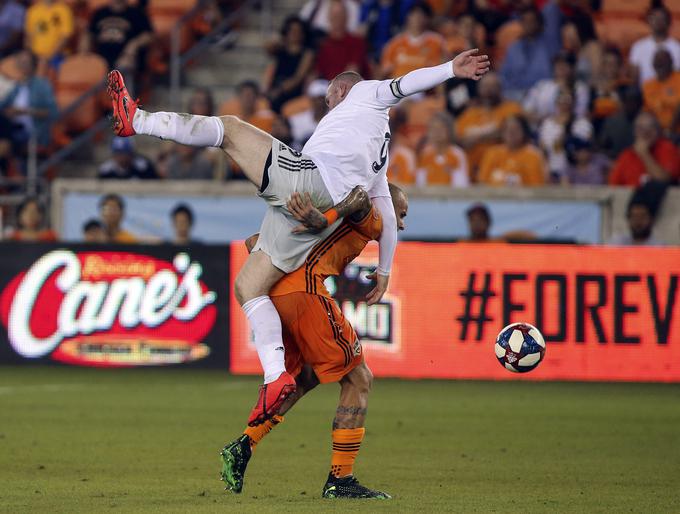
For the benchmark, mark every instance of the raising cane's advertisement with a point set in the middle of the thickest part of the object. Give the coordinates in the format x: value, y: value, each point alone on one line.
x: 114, y: 306
x: 607, y: 313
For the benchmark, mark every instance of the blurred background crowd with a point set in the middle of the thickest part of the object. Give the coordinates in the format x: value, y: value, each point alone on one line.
x: 582, y: 92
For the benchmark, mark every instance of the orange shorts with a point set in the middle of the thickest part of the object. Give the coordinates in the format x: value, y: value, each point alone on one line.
x: 315, y: 332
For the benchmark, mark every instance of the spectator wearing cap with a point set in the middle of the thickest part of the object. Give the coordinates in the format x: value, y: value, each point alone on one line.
x: 340, y: 51
x: 30, y: 215
x: 303, y: 121
x: 617, y: 131
x: 416, y: 47
x: 30, y: 104
x: 112, y: 212
x: 529, y: 59
x: 125, y: 163
x: 479, y: 127
x: 640, y: 218
x: 556, y: 129
x: 642, y: 52
x: 12, y: 15
x: 651, y: 158
x: 93, y: 231
x: 479, y: 223
x: 662, y: 93
x: 441, y: 162
x: 586, y: 167
x: 541, y: 100
x: 516, y: 161
x: 182, y: 218
x: 292, y: 62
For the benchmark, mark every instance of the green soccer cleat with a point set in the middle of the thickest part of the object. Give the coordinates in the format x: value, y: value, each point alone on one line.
x: 235, y: 457
x: 349, y: 487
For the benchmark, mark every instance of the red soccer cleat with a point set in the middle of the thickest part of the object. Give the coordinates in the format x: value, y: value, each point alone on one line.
x: 271, y: 398
x: 124, y: 107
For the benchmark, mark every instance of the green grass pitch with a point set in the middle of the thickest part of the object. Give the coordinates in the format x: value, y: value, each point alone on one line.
x: 78, y: 440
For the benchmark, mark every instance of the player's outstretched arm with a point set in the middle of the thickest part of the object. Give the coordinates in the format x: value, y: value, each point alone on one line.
x: 466, y: 65
x: 356, y: 205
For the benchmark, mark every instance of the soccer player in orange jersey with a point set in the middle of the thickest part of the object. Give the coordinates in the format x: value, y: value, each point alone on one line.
x: 321, y: 346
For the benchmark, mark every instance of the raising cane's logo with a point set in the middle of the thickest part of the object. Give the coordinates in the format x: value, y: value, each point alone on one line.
x: 109, y: 309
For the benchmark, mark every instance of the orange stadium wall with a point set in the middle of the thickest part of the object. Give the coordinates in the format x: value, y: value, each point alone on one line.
x: 608, y: 314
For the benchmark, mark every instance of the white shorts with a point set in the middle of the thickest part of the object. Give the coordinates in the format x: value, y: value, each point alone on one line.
x: 286, y: 172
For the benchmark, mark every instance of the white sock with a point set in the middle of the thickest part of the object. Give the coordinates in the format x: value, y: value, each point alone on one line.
x: 187, y: 129
x: 266, y: 324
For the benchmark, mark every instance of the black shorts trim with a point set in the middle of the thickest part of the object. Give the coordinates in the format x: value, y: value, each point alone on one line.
x: 265, y: 173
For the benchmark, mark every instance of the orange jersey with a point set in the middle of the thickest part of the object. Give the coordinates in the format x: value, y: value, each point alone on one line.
x: 663, y: 98
x: 444, y: 169
x: 404, y: 53
x: 482, y: 121
x: 504, y: 167
x: 330, y: 256
x: 402, y: 167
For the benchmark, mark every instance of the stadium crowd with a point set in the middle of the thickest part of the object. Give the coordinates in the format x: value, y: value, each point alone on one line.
x: 583, y: 92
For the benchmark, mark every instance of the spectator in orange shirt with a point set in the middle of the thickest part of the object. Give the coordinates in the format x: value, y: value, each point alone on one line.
x: 651, y: 158
x: 30, y: 223
x: 479, y: 127
x: 249, y: 109
x: 441, y: 162
x: 402, y: 163
x: 112, y: 210
x: 340, y: 51
x: 662, y: 94
x: 516, y: 161
x: 416, y: 47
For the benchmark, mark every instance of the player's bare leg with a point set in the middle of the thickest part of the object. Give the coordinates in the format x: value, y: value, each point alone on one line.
x: 249, y: 147
x: 348, y: 432
x: 236, y: 455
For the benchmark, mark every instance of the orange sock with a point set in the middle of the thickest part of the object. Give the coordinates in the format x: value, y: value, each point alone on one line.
x: 346, y: 443
x: 255, y: 434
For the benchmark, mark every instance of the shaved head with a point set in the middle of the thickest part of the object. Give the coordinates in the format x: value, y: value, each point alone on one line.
x: 400, y: 203
x: 340, y: 86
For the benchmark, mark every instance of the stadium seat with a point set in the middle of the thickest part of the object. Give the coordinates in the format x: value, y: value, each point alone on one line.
x: 621, y: 32
x: 77, y: 75
x: 165, y: 14
x: 505, y: 36
x: 231, y: 106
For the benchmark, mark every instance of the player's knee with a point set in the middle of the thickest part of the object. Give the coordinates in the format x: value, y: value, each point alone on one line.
x: 231, y: 124
x: 242, y: 289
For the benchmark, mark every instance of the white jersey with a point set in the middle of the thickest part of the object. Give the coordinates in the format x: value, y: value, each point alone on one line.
x: 349, y: 146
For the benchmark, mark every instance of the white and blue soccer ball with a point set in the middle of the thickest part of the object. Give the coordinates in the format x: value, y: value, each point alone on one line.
x: 520, y: 347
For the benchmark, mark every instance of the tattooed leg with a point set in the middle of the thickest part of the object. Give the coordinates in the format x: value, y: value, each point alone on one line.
x: 353, y: 405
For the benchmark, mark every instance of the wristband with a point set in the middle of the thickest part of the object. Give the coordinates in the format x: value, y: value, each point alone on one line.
x: 331, y: 216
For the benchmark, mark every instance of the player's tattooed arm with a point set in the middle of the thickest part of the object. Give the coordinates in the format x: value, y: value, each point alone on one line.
x: 356, y: 205
x: 349, y: 417
x: 251, y: 242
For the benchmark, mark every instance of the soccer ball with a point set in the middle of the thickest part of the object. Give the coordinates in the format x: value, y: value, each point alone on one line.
x: 520, y: 347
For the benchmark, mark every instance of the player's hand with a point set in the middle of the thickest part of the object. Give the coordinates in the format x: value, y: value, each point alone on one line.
x: 302, y: 209
x: 468, y: 65
x: 380, y: 288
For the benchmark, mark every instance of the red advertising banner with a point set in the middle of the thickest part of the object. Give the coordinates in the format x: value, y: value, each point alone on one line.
x: 606, y: 313
x: 113, y: 306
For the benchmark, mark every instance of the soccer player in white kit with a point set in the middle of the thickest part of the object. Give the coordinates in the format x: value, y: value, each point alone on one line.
x: 348, y: 152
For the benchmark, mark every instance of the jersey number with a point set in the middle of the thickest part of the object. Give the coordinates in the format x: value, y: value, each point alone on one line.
x: 377, y: 166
